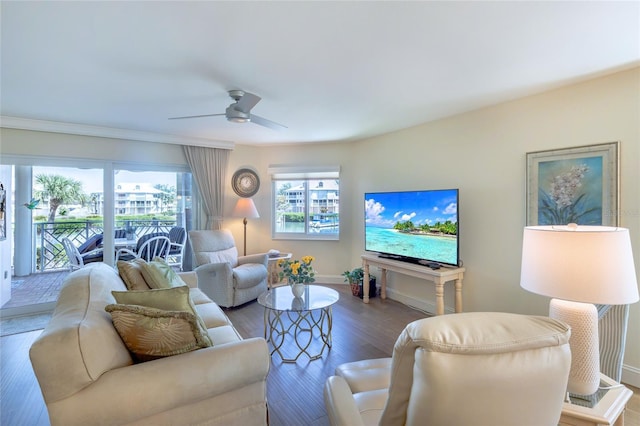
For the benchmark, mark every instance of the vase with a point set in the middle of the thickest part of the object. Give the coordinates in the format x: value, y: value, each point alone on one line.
x: 297, y: 304
x: 297, y: 289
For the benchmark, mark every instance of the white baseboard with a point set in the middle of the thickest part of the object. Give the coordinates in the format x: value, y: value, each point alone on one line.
x: 631, y: 375
x: 419, y: 304
x: 330, y: 279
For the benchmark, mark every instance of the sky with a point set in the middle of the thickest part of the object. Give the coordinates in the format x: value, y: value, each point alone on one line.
x: 92, y: 178
x: 384, y: 209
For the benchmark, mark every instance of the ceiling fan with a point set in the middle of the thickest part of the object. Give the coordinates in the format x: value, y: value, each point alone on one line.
x: 240, y: 111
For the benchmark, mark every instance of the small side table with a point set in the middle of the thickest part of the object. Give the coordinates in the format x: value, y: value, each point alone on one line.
x: 307, y: 320
x: 605, y: 407
x: 273, y: 278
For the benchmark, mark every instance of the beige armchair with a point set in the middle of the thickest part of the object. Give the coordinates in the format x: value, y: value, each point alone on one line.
x: 228, y: 279
x: 459, y: 369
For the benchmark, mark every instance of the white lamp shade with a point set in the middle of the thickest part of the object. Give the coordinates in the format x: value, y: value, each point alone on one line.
x: 245, y: 208
x: 590, y: 264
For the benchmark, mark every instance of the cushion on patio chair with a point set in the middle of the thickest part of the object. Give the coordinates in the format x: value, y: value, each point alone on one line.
x: 91, y: 244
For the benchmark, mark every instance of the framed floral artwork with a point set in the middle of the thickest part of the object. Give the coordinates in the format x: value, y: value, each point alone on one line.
x: 573, y: 185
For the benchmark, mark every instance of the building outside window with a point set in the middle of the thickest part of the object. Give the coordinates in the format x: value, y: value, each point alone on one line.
x: 306, y: 204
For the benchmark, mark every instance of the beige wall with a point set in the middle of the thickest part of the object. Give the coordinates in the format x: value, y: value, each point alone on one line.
x: 481, y: 152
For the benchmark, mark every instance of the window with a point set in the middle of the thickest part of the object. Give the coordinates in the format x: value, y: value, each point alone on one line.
x: 305, y: 203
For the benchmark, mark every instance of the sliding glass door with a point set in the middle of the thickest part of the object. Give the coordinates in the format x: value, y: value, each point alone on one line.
x: 78, y: 200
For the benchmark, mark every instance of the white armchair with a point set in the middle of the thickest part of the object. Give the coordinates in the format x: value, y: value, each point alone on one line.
x: 228, y: 279
x: 473, y: 368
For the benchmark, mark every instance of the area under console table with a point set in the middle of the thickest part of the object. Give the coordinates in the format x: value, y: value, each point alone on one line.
x: 437, y: 276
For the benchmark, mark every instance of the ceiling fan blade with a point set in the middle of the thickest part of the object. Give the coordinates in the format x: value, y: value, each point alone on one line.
x: 267, y: 123
x: 194, y: 116
x: 246, y: 102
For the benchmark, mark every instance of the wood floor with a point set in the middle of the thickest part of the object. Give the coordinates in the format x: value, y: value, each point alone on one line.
x: 294, y: 391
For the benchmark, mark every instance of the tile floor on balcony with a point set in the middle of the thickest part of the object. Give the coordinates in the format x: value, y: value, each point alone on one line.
x: 35, y: 289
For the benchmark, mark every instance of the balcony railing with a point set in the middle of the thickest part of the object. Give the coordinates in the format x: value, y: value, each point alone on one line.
x: 48, y: 236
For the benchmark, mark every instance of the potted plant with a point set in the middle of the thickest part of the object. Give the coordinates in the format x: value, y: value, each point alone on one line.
x: 355, y: 278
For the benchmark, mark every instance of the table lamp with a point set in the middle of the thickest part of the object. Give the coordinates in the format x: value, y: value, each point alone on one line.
x: 578, y: 266
x: 246, y: 209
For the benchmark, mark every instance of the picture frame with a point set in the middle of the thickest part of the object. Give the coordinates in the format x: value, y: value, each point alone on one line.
x: 574, y: 185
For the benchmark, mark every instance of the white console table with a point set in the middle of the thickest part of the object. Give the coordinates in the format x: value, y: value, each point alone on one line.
x: 437, y: 276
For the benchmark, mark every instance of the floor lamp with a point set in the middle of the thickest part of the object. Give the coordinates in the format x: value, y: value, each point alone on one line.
x: 578, y: 266
x: 246, y: 209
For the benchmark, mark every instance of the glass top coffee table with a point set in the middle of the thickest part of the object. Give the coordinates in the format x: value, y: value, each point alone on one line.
x: 306, y: 319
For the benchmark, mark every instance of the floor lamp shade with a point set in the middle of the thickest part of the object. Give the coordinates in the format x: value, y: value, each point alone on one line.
x: 580, y: 266
x: 245, y: 208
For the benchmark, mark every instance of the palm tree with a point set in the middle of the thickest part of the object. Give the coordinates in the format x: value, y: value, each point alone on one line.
x: 59, y: 190
x: 167, y: 196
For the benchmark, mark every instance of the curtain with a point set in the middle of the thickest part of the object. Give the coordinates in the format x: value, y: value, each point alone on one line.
x: 209, y: 168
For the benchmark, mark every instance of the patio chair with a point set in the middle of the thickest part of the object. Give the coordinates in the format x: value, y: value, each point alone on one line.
x: 148, y: 247
x: 178, y: 237
x: 92, y: 244
x: 76, y: 259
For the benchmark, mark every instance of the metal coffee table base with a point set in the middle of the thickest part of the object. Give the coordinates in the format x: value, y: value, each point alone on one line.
x: 302, y: 325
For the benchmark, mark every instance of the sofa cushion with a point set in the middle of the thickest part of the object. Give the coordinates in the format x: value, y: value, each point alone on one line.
x: 224, y: 334
x: 198, y: 297
x: 131, y: 274
x: 159, y: 274
x: 168, y: 299
x: 212, y: 315
x: 151, y: 333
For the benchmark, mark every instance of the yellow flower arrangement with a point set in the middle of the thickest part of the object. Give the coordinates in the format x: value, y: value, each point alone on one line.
x: 297, y: 271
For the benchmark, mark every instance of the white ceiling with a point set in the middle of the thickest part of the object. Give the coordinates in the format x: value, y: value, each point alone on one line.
x: 330, y: 71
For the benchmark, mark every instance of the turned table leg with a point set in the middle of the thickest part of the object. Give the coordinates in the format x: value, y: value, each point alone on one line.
x: 365, y: 283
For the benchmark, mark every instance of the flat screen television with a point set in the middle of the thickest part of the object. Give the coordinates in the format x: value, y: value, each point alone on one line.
x: 413, y: 226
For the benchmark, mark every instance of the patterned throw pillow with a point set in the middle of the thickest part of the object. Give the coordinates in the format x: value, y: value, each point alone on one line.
x: 158, y: 274
x: 131, y: 274
x: 167, y: 299
x: 151, y: 333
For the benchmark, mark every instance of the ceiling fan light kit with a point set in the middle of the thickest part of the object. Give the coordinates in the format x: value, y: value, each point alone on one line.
x: 237, y: 116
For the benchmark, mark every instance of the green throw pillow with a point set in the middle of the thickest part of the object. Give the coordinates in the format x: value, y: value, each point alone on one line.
x: 158, y: 274
x: 167, y: 299
x: 151, y: 333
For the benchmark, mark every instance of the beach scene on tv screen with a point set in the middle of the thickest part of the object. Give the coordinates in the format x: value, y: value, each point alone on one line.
x: 416, y: 224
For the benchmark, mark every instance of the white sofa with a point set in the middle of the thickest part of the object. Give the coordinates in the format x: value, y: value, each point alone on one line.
x: 87, y: 375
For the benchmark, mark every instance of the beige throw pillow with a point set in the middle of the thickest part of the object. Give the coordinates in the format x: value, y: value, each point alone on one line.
x: 131, y: 274
x: 167, y: 299
x: 158, y: 274
x: 151, y: 333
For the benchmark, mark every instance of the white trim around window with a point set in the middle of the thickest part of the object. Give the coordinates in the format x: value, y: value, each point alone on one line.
x: 305, y: 202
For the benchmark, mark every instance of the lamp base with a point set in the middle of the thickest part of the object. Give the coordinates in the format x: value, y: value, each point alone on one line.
x: 584, y: 377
